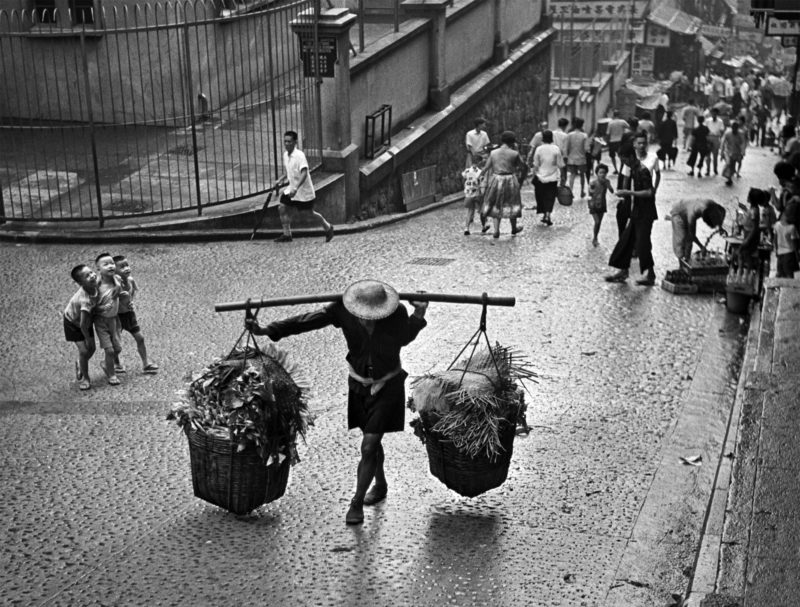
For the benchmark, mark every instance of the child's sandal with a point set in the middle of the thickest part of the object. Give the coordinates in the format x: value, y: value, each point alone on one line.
x: 113, y: 380
x: 151, y: 368
x: 84, y: 384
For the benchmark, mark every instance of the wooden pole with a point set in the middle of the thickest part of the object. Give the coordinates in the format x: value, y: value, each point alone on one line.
x: 254, y: 303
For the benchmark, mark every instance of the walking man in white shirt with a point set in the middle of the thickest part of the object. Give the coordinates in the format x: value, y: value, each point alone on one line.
x: 299, y: 195
x: 476, y: 141
x: 716, y: 127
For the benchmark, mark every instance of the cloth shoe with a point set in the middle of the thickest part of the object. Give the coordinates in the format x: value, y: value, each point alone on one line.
x: 355, y: 514
x: 620, y: 276
x: 283, y: 238
x: 375, y: 495
x: 648, y: 280
x: 516, y: 230
x: 329, y: 234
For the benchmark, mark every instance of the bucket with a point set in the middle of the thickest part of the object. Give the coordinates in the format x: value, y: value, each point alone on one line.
x: 737, y: 302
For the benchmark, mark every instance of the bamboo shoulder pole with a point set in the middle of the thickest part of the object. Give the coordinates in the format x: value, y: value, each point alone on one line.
x: 254, y: 303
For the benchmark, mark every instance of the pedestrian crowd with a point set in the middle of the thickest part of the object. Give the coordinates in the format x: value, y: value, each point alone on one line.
x: 103, y: 304
x: 728, y: 116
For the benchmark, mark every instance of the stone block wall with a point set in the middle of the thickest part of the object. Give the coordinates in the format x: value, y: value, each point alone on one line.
x: 515, y: 102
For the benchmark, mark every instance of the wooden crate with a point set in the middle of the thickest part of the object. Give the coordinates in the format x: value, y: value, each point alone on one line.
x: 682, y: 288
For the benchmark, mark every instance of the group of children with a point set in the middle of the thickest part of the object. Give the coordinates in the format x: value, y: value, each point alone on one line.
x: 103, y: 304
x: 475, y: 187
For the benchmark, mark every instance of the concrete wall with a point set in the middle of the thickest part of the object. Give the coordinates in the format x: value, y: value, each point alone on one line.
x: 517, y: 17
x: 393, y: 71
x: 513, y: 95
x: 470, y: 38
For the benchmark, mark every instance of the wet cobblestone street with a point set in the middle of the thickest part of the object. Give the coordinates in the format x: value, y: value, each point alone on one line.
x: 98, y: 506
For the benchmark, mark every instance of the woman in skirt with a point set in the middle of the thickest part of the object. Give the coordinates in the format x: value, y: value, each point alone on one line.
x: 547, y: 163
x: 502, y: 198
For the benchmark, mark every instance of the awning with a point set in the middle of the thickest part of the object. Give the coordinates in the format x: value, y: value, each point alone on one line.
x: 675, y: 20
x: 561, y: 100
x: 710, y: 49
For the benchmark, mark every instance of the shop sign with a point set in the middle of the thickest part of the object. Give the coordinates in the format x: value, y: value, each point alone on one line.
x: 789, y: 41
x: 643, y: 61
x: 598, y: 9
x: 780, y: 27
x: 657, y: 35
x: 715, y: 31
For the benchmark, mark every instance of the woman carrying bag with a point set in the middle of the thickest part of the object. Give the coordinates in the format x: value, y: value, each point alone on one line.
x: 547, y: 164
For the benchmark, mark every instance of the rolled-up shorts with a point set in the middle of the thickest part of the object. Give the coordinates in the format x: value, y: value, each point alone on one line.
x: 300, y: 205
x: 108, y: 332
x: 379, y: 413
x: 128, y: 322
x: 72, y: 332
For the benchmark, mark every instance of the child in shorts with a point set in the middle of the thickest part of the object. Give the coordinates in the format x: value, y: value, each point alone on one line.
x: 78, y: 320
x: 106, y: 323
x: 597, y: 198
x: 474, y: 186
x: 786, y: 243
x: 127, y: 317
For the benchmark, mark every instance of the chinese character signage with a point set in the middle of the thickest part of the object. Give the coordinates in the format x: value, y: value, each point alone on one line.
x: 325, y: 58
x: 598, y: 9
x: 657, y: 35
x: 715, y: 31
x: 788, y: 41
x: 643, y: 60
x: 779, y: 27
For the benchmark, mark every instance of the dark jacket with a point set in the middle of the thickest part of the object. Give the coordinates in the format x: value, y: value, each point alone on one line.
x: 370, y: 356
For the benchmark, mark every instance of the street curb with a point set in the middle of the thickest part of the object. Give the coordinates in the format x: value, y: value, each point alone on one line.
x: 59, y: 235
x: 706, y: 568
x: 676, y: 503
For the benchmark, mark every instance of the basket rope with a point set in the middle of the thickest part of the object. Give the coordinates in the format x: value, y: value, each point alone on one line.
x: 481, y: 331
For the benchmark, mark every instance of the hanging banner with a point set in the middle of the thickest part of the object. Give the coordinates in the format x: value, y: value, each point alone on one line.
x: 598, y: 9
x: 657, y: 35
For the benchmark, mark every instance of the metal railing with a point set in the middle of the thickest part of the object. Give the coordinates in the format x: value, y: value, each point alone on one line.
x: 149, y: 109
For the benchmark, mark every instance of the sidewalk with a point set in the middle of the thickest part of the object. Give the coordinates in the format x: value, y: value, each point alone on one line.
x: 749, y: 553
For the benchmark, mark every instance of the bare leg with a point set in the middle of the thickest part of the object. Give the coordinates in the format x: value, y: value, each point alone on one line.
x: 370, y: 466
x: 496, y: 222
x: 141, y: 348
x: 286, y: 219
x: 84, y: 354
x: 111, y: 375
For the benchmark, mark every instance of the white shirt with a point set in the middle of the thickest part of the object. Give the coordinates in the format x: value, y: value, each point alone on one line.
x: 294, y: 165
x: 715, y: 127
x: 476, y: 141
x: 560, y: 139
x: 650, y: 162
x: 547, y: 162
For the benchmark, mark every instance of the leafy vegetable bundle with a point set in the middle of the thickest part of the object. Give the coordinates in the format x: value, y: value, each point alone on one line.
x: 252, y: 397
x: 469, y: 403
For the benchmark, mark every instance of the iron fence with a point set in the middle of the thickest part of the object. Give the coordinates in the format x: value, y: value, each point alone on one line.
x: 149, y: 109
x: 583, y: 46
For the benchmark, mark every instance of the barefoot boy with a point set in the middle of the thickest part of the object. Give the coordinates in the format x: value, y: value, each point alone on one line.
x: 78, y: 320
x: 105, y: 319
x: 127, y: 317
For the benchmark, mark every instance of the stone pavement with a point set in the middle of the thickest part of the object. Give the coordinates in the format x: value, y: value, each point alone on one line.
x: 597, y: 510
x: 750, y: 551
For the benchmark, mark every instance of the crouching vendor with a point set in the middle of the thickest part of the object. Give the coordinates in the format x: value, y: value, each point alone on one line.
x: 684, y: 216
x: 376, y: 326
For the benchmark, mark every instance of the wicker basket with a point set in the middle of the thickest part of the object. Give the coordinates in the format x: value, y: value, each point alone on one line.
x: 238, y: 482
x: 469, y: 476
